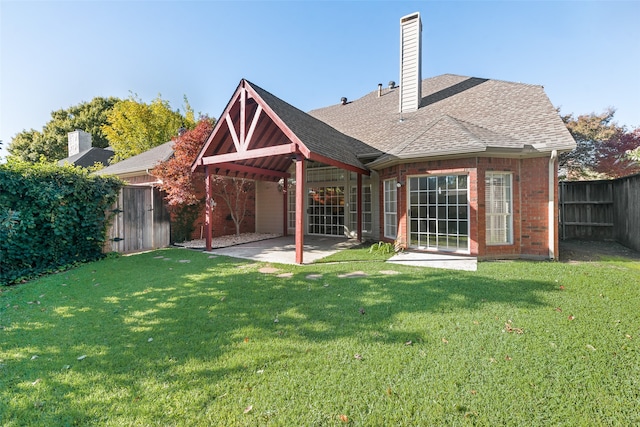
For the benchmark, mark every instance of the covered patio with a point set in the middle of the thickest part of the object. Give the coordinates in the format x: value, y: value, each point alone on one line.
x: 259, y: 136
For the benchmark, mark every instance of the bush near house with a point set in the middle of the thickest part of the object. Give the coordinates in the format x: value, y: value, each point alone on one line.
x: 50, y: 217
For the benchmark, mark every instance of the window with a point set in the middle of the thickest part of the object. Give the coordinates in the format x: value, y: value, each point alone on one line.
x: 366, y: 208
x: 291, y: 203
x: 390, y: 208
x: 326, y: 210
x: 439, y: 212
x: 498, y: 204
x: 324, y: 174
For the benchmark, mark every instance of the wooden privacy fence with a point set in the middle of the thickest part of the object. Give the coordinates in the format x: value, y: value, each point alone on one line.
x: 141, y: 221
x: 601, y: 210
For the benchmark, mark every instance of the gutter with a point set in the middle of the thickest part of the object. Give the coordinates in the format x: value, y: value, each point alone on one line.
x: 551, y: 219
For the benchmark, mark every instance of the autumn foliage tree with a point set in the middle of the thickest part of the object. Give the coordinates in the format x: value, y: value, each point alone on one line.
x: 179, y: 183
x: 612, y: 157
x: 602, y: 147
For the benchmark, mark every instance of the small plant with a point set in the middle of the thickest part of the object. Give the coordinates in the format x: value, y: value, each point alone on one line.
x: 386, y: 248
x: 382, y: 248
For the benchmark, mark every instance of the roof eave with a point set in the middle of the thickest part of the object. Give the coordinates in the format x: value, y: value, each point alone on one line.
x: 527, y: 151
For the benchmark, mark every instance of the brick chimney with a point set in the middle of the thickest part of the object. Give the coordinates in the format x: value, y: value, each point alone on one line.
x: 79, y: 141
x: 410, y: 62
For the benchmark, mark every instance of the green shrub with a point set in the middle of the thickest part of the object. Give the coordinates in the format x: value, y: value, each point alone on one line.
x: 50, y: 217
x: 382, y: 248
x: 183, y: 220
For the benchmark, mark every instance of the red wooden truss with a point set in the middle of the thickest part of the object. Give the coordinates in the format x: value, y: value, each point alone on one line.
x: 251, y: 140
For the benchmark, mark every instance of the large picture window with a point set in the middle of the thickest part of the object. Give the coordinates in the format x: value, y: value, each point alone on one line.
x: 439, y: 212
x: 390, y: 209
x: 499, y: 208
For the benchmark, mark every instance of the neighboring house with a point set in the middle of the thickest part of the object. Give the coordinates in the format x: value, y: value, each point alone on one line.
x: 142, y: 220
x: 136, y: 170
x: 81, y: 153
x: 448, y: 163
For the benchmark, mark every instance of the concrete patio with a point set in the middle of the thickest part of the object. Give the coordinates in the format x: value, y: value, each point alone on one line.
x: 282, y: 250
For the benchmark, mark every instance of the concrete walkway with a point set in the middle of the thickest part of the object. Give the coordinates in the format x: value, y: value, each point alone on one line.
x: 282, y: 250
x: 435, y: 260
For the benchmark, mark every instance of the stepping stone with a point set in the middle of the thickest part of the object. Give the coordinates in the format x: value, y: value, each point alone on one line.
x: 353, y: 274
x: 213, y: 256
x: 185, y: 261
x: 314, y: 276
x: 285, y: 275
x: 268, y: 270
x: 158, y: 257
x: 389, y: 272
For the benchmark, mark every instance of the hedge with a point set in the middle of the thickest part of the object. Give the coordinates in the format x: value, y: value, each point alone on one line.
x: 51, y: 217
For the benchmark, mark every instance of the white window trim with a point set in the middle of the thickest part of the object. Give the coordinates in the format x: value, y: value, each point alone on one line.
x: 508, y: 215
x: 393, y: 184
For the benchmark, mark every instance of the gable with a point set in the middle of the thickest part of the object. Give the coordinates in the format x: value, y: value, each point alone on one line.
x: 258, y: 134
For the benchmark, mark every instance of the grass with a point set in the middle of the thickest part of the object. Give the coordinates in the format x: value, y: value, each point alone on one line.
x: 173, y: 337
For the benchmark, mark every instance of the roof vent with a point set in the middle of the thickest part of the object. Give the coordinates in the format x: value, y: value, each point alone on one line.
x: 379, y: 90
x: 343, y: 100
x: 410, y: 62
x: 392, y: 84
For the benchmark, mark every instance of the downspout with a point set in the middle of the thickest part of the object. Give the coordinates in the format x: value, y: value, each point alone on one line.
x: 552, y: 200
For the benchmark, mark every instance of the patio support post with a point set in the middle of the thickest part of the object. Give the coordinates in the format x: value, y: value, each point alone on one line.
x: 359, y: 208
x: 299, y: 208
x: 208, y: 217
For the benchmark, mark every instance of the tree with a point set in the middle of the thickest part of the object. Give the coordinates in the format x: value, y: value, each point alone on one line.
x: 51, y: 142
x: 612, y: 156
x: 134, y: 127
x: 634, y: 154
x: 180, y: 183
x: 590, y: 132
x: 235, y: 193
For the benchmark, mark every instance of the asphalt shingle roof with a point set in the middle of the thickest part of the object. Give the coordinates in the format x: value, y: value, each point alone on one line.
x: 140, y: 163
x: 316, y: 135
x: 458, y: 114
x: 89, y: 157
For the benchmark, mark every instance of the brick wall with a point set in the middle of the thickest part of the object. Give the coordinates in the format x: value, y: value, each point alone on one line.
x: 222, y: 223
x: 530, y: 202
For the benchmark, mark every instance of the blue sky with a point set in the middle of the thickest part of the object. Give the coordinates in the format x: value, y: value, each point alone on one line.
x: 57, y: 54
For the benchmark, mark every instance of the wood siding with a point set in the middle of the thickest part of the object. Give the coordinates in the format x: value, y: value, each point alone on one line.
x: 269, y: 208
x: 410, y: 62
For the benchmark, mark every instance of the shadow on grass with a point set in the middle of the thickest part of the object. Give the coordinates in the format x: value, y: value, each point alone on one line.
x: 153, y: 324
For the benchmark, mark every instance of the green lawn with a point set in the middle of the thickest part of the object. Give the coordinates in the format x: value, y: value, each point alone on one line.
x: 173, y: 337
